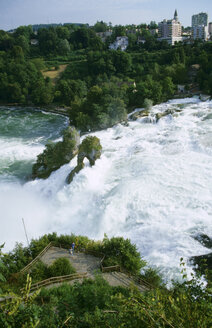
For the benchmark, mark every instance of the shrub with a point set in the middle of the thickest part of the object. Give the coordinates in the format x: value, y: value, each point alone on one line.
x: 120, y: 251
x: 61, y: 267
x: 66, y: 240
x: 39, y: 272
x: 152, y: 277
x: 37, y: 245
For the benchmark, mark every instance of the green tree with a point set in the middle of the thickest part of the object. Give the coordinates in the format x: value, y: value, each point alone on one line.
x: 6, y: 41
x: 39, y: 63
x: 23, y: 42
x: 63, y: 32
x: 63, y: 47
x: 100, y: 27
x: 48, y: 40
x: 119, y: 30
x: 18, y: 54
x: 122, y: 62
x: 69, y: 90
x: 42, y: 93
x: 15, y: 93
x: 120, y: 251
x: 25, y: 31
x: 168, y: 88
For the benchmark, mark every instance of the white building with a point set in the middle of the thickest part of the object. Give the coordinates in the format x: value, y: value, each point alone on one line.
x: 121, y: 43
x: 170, y: 30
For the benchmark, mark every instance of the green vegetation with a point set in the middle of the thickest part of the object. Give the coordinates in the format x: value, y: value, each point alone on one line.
x: 90, y: 148
x: 117, y: 251
x: 41, y: 271
x: 56, y: 154
x: 94, y: 303
x: 98, y: 86
x: 121, y: 252
x: 2, y: 278
x: 61, y: 267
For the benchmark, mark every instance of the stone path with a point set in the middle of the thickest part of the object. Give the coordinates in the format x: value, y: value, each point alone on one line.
x: 87, y: 263
x: 80, y: 261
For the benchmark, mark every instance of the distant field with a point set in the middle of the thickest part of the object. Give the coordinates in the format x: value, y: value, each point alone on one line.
x: 54, y: 74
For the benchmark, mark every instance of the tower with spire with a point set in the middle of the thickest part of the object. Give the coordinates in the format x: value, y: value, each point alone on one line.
x: 170, y: 30
x: 175, y: 15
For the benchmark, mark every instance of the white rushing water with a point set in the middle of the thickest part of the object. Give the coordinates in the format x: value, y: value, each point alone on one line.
x: 153, y: 184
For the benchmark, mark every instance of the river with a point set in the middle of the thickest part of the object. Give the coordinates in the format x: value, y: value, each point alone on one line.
x: 153, y: 183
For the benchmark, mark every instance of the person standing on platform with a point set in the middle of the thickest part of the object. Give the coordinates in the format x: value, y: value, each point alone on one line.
x: 72, y: 248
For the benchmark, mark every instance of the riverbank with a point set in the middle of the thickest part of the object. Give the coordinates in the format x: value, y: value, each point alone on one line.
x: 56, y: 109
x: 49, y: 109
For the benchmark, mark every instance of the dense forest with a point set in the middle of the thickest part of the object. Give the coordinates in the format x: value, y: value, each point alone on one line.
x: 94, y: 303
x: 71, y: 66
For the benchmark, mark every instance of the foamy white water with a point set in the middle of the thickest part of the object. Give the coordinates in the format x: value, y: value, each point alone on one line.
x: 153, y: 184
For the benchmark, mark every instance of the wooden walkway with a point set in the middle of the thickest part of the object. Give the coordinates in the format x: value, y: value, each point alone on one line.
x: 87, y: 263
x: 80, y: 261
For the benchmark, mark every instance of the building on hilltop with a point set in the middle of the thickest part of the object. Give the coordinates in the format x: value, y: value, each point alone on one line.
x: 121, y: 43
x: 199, y: 19
x: 170, y: 30
x: 200, y: 26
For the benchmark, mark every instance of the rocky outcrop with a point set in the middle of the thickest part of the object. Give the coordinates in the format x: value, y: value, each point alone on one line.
x: 145, y: 113
x: 90, y: 148
x: 203, y: 263
x: 169, y: 111
x: 139, y: 114
x: 56, y: 154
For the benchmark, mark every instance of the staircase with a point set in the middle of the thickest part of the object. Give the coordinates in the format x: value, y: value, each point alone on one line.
x: 121, y: 279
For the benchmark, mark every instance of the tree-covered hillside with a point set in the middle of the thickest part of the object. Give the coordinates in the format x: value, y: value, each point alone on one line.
x: 71, y: 66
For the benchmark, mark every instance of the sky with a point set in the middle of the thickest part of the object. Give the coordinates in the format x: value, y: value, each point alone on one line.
x: 14, y: 13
